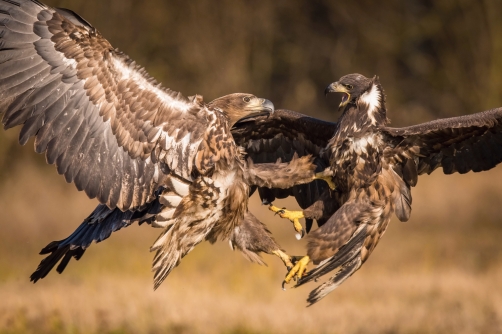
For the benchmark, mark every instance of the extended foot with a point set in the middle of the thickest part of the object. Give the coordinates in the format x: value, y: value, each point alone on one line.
x: 299, y: 269
x: 293, y: 216
x: 326, y: 177
x: 286, y: 259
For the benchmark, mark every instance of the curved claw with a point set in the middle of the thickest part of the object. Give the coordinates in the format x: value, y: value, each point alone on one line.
x: 300, y: 235
x: 293, y: 216
x: 280, y: 212
x: 298, y: 271
x: 298, y: 228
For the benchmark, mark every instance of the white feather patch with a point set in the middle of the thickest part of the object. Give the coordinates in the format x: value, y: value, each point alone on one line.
x: 129, y: 72
x: 224, y: 180
x: 372, y: 99
x: 360, y: 145
x: 166, y: 214
x: 179, y: 187
x: 180, y: 155
x: 171, y: 201
x: 160, y: 241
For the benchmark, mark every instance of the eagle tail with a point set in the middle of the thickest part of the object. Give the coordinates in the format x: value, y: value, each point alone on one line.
x: 348, y: 259
x: 333, y: 282
x: 168, y: 256
x: 171, y: 246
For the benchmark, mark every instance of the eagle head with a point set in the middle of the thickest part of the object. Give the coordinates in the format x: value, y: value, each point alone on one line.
x: 365, y: 94
x: 352, y: 85
x: 239, y: 106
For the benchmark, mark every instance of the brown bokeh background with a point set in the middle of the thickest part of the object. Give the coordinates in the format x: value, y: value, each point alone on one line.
x: 440, y: 272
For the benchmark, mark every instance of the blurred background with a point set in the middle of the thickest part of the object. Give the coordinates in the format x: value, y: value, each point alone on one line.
x: 441, y: 272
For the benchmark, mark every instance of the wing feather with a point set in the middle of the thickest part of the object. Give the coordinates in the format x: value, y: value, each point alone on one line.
x: 73, y: 147
x: 458, y: 144
x: 279, y: 137
x: 93, y: 111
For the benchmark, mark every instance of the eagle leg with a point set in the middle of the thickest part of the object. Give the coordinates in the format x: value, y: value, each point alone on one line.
x: 286, y: 259
x: 293, y: 216
x: 298, y: 271
x: 327, y: 176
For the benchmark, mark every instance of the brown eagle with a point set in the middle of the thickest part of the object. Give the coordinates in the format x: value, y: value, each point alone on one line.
x: 144, y: 151
x: 373, y: 167
x: 282, y: 140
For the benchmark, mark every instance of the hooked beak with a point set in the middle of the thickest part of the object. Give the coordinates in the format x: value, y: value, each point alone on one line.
x: 335, y: 87
x: 260, y: 107
x: 268, y: 105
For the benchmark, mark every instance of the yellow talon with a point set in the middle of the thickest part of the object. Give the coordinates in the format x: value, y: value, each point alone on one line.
x: 298, y: 271
x: 284, y: 257
x: 326, y: 177
x: 293, y: 216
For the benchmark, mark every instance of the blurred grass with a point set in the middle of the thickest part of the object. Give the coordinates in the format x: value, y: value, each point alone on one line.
x: 440, y: 272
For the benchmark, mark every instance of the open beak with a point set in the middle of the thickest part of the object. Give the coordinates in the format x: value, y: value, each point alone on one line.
x: 335, y: 87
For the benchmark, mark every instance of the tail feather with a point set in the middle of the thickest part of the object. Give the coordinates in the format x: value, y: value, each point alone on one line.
x: 168, y: 256
x: 345, y: 272
x: 176, y: 241
x: 348, y: 259
x: 345, y: 255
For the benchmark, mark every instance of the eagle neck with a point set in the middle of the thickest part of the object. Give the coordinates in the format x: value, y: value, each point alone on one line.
x: 371, y: 106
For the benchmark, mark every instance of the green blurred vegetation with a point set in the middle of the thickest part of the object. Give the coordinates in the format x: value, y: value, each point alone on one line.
x: 438, y: 273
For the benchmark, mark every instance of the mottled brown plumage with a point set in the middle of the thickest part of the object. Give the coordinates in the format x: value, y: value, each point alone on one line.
x: 147, y: 153
x: 374, y: 166
x: 281, y: 136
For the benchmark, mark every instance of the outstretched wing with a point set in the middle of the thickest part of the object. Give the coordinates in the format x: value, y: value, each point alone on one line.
x: 458, y: 144
x: 105, y: 124
x: 280, y: 136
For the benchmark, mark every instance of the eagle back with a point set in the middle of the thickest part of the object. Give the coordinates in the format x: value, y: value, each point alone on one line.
x: 217, y: 149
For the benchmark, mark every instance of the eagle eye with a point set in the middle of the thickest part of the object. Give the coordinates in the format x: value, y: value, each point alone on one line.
x: 348, y: 86
x: 246, y: 99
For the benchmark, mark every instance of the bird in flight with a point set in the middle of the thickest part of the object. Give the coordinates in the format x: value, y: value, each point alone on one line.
x: 373, y: 167
x: 146, y: 152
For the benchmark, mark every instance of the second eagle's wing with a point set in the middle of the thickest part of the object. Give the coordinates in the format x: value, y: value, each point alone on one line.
x: 458, y: 144
x: 282, y: 136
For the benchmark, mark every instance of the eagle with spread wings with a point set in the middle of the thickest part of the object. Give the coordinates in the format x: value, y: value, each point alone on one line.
x: 373, y: 167
x: 147, y: 153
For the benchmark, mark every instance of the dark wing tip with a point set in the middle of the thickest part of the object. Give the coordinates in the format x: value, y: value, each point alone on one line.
x: 56, y: 255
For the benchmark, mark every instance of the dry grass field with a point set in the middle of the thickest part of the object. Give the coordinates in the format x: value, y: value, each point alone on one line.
x: 441, y: 272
